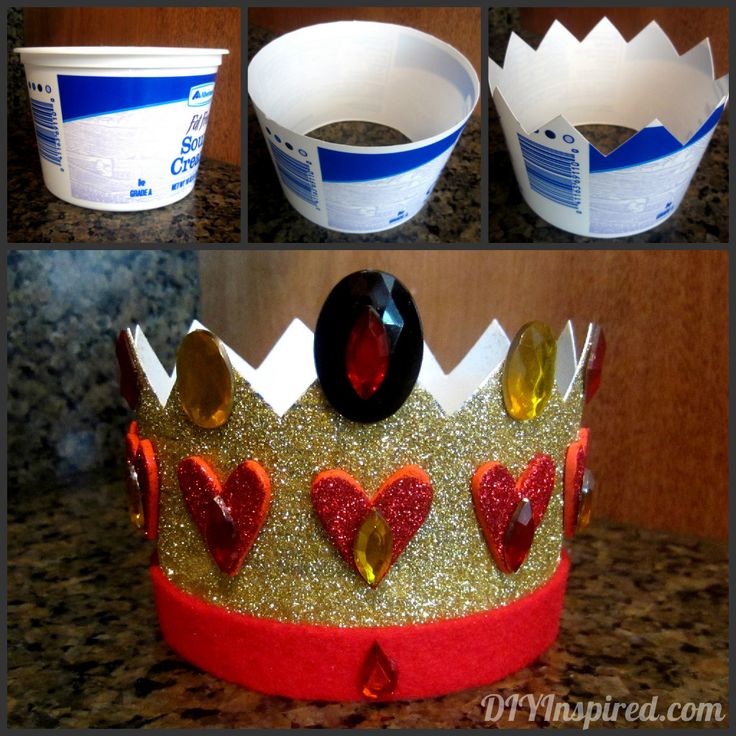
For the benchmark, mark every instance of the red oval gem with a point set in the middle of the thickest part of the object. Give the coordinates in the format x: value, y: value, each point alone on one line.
x: 519, y: 536
x: 367, y: 354
x: 127, y: 375
x: 379, y: 676
x: 221, y: 535
x: 594, y: 367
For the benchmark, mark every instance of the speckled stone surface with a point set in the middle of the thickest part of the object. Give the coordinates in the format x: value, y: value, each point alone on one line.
x: 646, y: 615
x: 210, y: 214
x: 701, y: 218
x: 65, y: 309
x: 18, y: 108
x: 451, y: 215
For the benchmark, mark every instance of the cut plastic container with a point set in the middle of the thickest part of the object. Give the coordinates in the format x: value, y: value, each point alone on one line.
x: 120, y: 128
x: 362, y: 71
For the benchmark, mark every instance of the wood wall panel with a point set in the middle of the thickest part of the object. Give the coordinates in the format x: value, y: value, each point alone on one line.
x: 659, y: 422
x: 196, y: 27
x: 686, y: 27
x: 460, y: 27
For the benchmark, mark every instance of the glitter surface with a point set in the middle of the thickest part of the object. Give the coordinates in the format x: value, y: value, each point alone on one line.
x: 293, y: 572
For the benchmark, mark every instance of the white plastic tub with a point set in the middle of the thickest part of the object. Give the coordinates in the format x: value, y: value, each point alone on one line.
x: 360, y: 70
x: 120, y: 128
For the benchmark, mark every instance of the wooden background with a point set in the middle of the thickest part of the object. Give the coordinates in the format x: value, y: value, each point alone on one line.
x: 460, y: 27
x: 659, y: 422
x: 196, y: 27
x: 686, y: 27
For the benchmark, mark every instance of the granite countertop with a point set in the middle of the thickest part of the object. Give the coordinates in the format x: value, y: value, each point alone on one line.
x: 646, y: 615
x: 702, y: 217
x: 210, y: 214
x: 451, y: 214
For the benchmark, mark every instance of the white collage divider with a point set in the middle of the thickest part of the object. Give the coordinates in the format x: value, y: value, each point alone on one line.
x: 360, y: 71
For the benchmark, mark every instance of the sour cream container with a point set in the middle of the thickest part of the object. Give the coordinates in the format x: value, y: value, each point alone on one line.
x: 120, y: 128
x: 360, y: 70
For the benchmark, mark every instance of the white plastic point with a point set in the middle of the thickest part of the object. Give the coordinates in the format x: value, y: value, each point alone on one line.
x: 452, y: 390
x: 285, y: 373
x: 567, y: 362
x: 160, y: 381
x: 288, y: 369
x: 607, y: 71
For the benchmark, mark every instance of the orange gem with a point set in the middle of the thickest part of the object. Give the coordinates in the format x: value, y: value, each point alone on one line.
x: 585, y: 502
x: 142, y: 482
x: 204, y: 379
x: 379, y: 675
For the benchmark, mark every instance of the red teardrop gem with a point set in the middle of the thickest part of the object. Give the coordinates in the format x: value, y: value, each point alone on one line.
x: 126, y: 375
x: 379, y: 676
x: 519, y: 536
x: 221, y: 535
x: 367, y: 354
x: 594, y: 367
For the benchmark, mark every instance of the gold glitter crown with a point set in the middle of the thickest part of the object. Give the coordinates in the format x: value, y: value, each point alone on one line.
x: 280, y: 420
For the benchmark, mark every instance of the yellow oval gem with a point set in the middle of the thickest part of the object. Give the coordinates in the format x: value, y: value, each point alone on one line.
x: 204, y: 378
x: 529, y: 371
x: 372, y: 548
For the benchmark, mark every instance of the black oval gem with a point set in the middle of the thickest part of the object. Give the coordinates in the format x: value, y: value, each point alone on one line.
x: 346, y: 304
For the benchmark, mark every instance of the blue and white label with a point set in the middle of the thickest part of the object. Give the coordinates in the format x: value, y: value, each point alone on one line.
x: 86, y: 97
x: 569, y: 183
x: 634, y: 198
x: 551, y: 166
x: 354, y: 190
x: 131, y: 140
x: 552, y: 173
x: 46, y: 124
x: 201, y: 94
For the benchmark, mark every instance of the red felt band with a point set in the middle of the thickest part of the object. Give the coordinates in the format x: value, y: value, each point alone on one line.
x: 325, y: 662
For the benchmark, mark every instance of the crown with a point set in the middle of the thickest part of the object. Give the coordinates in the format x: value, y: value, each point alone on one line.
x: 673, y: 102
x: 347, y: 521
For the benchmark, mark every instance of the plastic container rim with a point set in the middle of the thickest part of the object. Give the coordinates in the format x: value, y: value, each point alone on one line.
x: 118, y: 50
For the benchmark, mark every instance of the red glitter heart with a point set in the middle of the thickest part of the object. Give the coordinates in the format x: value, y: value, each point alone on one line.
x: 230, y: 517
x: 496, y: 496
x: 342, y: 505
x: 575, y: 461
